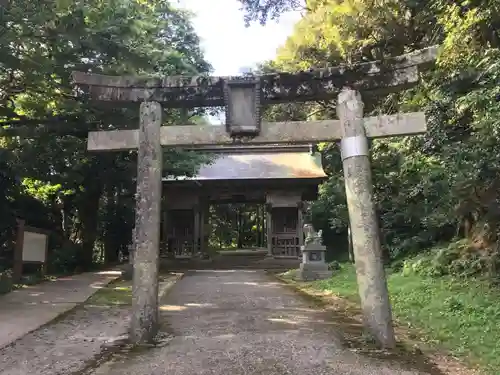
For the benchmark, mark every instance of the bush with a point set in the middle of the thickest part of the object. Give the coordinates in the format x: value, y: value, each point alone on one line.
x: 334, y: 266
x: 459, y: 259
x: 6, y: 283
x: 421, y: 266
x: 64, y: 258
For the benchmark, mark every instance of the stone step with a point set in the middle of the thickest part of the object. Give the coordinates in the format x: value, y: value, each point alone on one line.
x: 230, y: 262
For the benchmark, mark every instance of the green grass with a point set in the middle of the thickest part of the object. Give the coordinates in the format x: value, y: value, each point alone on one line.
x: 119, y: 292
x: 116, y: 293
x: 462, y: 317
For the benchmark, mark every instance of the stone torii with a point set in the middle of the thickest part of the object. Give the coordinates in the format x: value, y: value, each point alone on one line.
x: 243, y: 98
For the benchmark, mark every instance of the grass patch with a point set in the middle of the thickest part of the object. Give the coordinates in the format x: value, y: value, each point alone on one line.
x: 114, y: 294
x: 119, y: 292
x: 460, y: 316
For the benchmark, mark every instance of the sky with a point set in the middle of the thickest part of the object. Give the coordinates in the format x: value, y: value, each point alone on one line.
x: 227, y: 43
x: 230, y: 46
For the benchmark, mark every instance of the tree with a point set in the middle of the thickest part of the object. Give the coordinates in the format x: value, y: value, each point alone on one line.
x: 90, y: 195
x: 262, y: 10
x: 431, y: 188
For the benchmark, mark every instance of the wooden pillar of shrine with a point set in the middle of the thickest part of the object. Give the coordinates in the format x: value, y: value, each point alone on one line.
x: 300, y: 223
x: 258, y: 226
x: 269, y: 229
x: 201, y: 227
x: 182, y: 225
x: 164, y: 246
x: 205, y: 228
x: 198, y: 234
x: 285, y: 216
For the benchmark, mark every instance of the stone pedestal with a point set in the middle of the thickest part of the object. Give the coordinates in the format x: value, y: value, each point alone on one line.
x: 313, y: 266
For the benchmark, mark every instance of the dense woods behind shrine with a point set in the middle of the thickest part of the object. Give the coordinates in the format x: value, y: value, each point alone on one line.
x: 437, y: 195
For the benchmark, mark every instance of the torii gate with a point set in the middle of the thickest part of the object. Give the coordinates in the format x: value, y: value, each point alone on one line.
x: 243, y: 98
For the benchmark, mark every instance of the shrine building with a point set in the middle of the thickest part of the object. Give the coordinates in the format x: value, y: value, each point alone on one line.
x: 278, y: 178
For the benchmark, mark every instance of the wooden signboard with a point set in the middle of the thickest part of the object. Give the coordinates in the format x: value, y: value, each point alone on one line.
x: 32, y: 246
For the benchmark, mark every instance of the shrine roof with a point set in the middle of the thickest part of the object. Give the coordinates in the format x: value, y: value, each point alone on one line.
x: 264, y: 165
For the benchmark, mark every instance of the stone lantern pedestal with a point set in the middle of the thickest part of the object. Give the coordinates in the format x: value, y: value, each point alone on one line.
x: 313, y: 266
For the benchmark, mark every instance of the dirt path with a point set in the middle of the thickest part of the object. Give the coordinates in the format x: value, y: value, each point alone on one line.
x: 241, y: 323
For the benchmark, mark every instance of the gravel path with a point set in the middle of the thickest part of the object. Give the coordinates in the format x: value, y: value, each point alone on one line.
x: 67, y: 345
x: 27, y: 309
x: 242, y: 323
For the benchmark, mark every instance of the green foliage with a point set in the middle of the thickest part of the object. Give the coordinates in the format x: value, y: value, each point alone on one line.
x: 235, y: 226
x: 459, y: 259
x: 65, y: 258
x: 48, y: 177
x: 438, y: 191
x: 116, y: 293
x: 262, y: 10
x: 432, y: 188
x: 6, y: 283
x: 8, y: 193
x: 458, y: 315
x: 343, y: 283
x: 334, y: 266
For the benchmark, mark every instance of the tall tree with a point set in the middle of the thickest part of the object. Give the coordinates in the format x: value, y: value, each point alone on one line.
x: 45, y: 126
x: 429, y: 188
x: 263, y: 10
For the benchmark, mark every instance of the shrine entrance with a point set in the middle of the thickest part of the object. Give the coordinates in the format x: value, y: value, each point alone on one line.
x: 244, y: 98
x: 236, y: 226
x: 277, y: 179
x: 287, y: 236
x: 178, y: 236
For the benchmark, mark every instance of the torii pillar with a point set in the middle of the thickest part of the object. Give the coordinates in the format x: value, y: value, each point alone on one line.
x: 242, y: 99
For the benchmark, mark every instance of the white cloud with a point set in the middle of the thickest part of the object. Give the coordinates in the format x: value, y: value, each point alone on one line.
x: 227, y: 43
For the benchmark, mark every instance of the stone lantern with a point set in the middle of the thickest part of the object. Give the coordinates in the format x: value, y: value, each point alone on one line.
x: 313, y: 266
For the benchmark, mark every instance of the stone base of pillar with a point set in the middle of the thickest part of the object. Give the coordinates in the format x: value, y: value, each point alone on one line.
x: 311, y: 272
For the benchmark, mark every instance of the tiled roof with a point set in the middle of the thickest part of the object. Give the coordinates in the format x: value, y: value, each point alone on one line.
x: 266, y: 165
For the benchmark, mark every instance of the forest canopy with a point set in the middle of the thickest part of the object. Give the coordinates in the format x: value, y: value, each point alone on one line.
x: 48, y: 178
x: 436, y: 188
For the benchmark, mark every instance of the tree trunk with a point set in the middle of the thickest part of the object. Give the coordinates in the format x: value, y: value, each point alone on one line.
x: 89, y: 215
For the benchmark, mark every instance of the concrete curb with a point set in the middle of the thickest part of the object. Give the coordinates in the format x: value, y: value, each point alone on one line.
x: 163, y: 290
x: 292, y: 285
x: 62, y: 314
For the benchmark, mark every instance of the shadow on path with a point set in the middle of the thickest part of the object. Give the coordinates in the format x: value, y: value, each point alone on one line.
x: 245, y: 322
